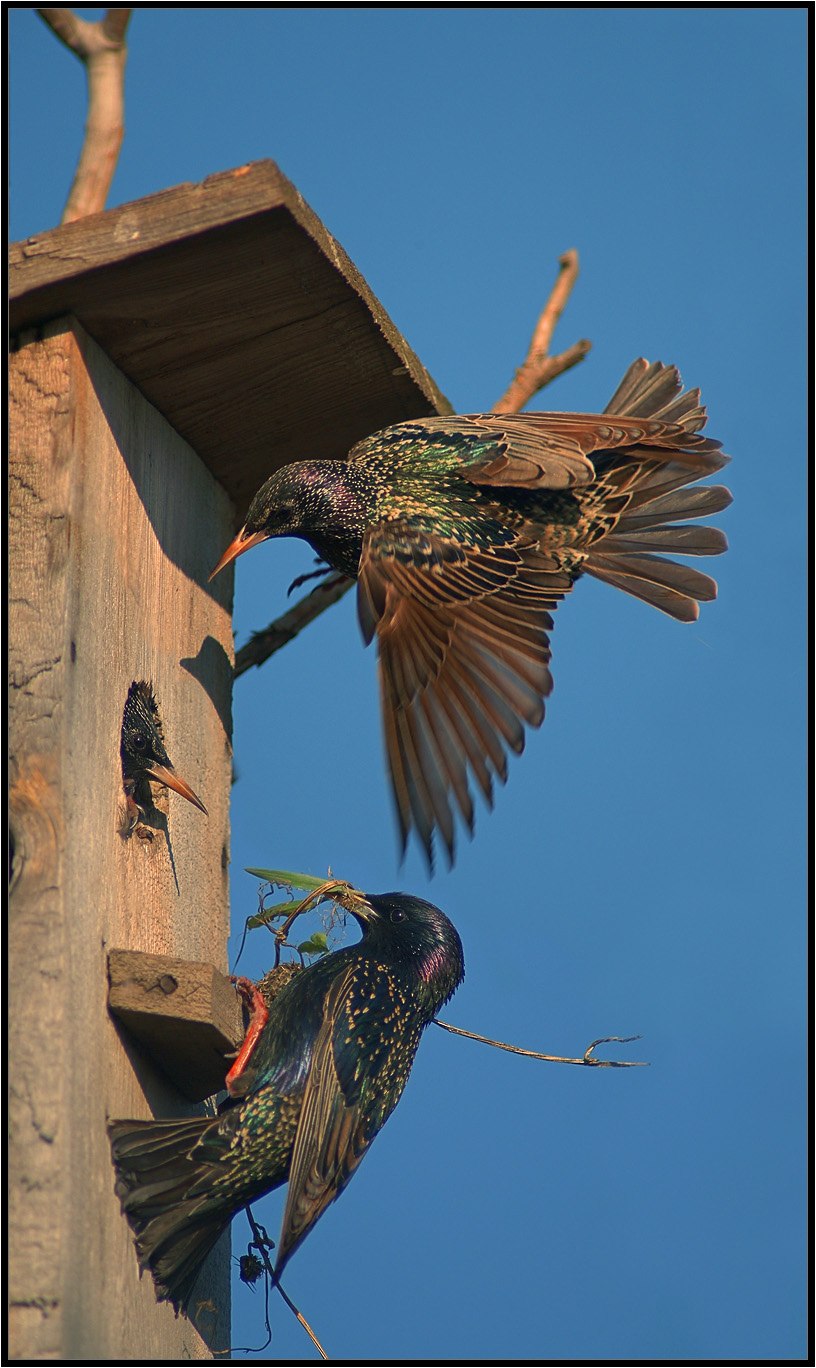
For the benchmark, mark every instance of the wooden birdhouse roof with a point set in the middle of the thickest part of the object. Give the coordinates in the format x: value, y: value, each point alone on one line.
x: 237, y: 314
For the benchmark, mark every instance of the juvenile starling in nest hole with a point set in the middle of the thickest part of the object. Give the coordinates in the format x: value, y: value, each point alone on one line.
x: 330, y: 1066
x: 144, y: 756
x: 464, y: 534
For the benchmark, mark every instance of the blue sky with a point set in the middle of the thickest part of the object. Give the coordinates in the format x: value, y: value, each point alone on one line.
x: 644, y: 867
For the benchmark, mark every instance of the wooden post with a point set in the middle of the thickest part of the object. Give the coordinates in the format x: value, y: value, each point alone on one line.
x: 171, y: 354
x: 115, y: 525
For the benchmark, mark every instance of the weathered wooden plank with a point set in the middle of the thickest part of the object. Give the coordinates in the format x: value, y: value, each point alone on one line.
x: 238, y: 315
x: 185, y: 1013
x: 114, y: 526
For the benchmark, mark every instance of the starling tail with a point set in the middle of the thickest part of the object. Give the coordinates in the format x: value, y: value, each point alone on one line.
x: 160, y: 1178
x: 655, y: 495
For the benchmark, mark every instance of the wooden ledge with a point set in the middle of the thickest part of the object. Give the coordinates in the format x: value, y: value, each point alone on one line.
x: 184, y: 1013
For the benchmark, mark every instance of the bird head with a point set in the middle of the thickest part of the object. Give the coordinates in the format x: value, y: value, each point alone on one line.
x: 415, y: 933
x: 290, y: 504
x: 142, y: 744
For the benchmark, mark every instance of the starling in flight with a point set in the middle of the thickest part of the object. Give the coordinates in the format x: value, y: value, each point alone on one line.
x: 328, y: 1069
x: 143, y: 753
x: 464, y: 533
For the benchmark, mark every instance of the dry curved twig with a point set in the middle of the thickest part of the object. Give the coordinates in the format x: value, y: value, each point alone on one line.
x: 260, y: 1243
x: 587, y: 1058
x: 101, y: 47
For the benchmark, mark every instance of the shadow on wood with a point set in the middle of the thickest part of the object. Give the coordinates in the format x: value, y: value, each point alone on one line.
x: 186, y: 1015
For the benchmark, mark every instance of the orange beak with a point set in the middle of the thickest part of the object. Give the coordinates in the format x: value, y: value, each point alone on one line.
x: 165, y: 774
x: 237, y: 547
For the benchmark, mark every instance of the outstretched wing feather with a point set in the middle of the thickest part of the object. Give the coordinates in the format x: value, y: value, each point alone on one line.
x: 464, y: 666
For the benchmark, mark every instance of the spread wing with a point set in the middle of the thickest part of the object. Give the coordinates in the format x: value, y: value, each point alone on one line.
x: 553, y: 450
x: 462, y: 635
x: 360, y: 1064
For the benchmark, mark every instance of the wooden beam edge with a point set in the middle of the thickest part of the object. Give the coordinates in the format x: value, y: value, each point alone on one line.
x: 184, y: 1013
x: 129, y: 231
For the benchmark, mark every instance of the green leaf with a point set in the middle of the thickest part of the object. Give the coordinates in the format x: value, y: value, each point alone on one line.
x: 318, y: 941
x: 315, y: 945
x: 288, y: 877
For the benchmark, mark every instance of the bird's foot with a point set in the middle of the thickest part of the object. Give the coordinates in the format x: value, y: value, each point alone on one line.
x: 130, y: 816
x: 301, y: 579
x: 239, y: 1080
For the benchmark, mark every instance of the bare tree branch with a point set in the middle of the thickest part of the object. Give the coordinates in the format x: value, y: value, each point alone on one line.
x: 535, y: 372
x: 114, y: 24
x: 263, y: 644
x: 539, y: 368
x: 66, y: 25
x: 101, y: 48
x: 587, y: 1058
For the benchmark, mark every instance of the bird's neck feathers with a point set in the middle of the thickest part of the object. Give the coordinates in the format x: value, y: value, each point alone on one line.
x: 434, y: 964
x: 441, y: 973
x: 336, y: 503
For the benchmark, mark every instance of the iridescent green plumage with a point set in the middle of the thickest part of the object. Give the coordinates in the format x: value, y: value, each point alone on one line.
x: 464, y: 533
x: 328, y: 1070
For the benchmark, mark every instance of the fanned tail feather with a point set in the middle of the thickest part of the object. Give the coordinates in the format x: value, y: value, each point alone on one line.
x: 651, y: 488
x: 655, y: 390
x: 164, y: 1193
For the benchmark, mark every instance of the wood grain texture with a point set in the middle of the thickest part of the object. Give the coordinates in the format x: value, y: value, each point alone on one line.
x: 114, y: 525
x: 238, y: 315
x: 184, y: 1013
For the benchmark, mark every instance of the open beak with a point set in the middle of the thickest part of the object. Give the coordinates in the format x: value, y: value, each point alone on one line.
x: 237, y: 547
x: 165, y: 774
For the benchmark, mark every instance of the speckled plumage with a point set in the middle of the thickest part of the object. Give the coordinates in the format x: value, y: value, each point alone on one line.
x: 329, y: 1068
x: 464, y: 533
x: 144, y: 755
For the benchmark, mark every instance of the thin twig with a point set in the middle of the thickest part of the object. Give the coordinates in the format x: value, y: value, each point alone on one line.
x: 303, y: 1321
x: 101, y: 47
x: 586, y: 1058
x: 262, y: 645
x: 539, y: 368
x: 261, y: 1244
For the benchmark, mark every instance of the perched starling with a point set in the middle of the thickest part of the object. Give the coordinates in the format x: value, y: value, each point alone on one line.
x: 464, y: 534
x: 143, y: 753
x: 330, y: 1065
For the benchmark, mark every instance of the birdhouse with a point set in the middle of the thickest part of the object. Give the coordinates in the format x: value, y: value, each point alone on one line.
x: 168, y: 355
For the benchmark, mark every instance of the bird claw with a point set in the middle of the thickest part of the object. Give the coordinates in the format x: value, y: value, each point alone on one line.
x: 132, y: 813
x: 239, y: 1079
x: 301, y: 579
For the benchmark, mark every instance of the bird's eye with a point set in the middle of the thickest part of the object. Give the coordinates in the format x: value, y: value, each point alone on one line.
x: 397, y: 915
x: 140, y: 741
